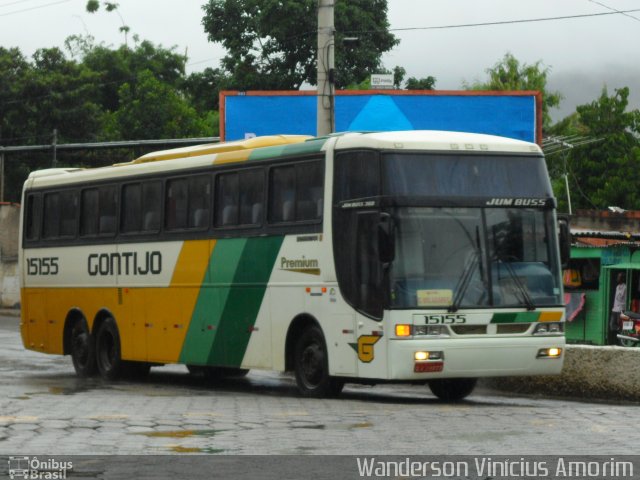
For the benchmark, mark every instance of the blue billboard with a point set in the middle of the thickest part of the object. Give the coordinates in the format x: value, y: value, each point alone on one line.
x: 510, y: 114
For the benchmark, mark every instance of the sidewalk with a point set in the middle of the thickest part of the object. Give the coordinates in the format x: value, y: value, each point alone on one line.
x: 9, y: 312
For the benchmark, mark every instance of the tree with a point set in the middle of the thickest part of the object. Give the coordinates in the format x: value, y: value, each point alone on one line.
x: 510, y: 74
x: 271, y: 44
x: 204, y: 87
x: 151, y: 109
x: 605, y: 173
x: 427, y: 83
x: 94, y: 5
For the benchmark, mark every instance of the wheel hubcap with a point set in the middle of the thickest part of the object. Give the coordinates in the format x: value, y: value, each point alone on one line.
x: 312, y: 364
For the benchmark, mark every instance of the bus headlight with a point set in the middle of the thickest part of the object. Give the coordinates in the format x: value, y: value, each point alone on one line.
x: 549, y: 328
x: 431, y: 330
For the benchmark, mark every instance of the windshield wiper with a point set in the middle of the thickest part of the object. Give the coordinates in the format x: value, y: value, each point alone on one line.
x: 464, y: 281
x: 526, y: 298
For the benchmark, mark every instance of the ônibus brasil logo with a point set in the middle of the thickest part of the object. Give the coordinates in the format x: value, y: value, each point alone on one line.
x: 32, y: 468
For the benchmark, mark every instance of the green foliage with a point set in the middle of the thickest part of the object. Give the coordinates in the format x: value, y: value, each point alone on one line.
x: 272, y: 44
x: 151, y: 108
x: 96, y: 94
x: 606, y: 172
x: 427, y: 83
x: 204, y: 87
x: 510, y: 74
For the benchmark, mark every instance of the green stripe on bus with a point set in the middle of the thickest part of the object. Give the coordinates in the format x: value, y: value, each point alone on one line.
x: 302, y: 148
x: 515, y: 317
x: 244, y: 300
x: 207, y: 314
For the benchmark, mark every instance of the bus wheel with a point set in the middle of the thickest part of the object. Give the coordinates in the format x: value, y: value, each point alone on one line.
x: 110, y: 364
x: 452, y: 389
x: 83, y: 354
x: 312, y: 366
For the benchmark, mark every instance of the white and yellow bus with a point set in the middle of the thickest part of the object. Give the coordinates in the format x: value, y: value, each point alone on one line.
x: 417, y: 256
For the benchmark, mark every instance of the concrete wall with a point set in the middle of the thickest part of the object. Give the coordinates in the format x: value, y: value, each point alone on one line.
x: 9, y: 224
x: 608, y: 373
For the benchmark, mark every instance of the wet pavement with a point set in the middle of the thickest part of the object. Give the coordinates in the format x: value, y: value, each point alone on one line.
x: 45, y: 409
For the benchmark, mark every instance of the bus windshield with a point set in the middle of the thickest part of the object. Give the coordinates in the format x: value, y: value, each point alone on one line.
x: 451, y: 175
x: 474, y: 257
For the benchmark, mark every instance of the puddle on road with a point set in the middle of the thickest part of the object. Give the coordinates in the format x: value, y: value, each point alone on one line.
x: 180, y: 433
x: 310, y: 427
x: 361, y: 425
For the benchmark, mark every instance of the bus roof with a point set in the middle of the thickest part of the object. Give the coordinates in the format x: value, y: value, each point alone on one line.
x: 436, y: 140
x: 275, y: 146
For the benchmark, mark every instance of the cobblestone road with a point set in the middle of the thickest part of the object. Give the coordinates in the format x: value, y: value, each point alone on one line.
x: 45, y: 409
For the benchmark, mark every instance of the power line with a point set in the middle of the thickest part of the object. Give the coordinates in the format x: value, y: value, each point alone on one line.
x: 14, y: 3
x: 503, y: 22
x: 615, y: 10
x: 33, y: 8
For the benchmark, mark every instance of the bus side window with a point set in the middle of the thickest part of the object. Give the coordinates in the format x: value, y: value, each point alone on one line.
x: 282, y: 194
x: 130, y: 208
x: 199, y: 201
x: 176, y: 205
x: 33, y: 217
x: 68, y: 213
x: 51, y: 227
x: 89, y: 213
x: 309, y: 181
x: 107, y: 208
x: 357, y: 175
x: 251, y: 197
x: 227, y: 198
x: 151, y: 206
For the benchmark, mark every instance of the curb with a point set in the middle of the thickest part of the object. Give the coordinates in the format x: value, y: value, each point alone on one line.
x: 589, y: 372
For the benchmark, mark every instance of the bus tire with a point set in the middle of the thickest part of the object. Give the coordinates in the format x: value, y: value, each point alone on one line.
x: 312, y: 366
x: 108, y: 354
x: 452, y: 389
x: 83, y: 352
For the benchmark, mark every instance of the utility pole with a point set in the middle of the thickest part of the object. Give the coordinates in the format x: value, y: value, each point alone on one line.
x: 54, y: 147
x: 1, y: 175
x: 326, y: 64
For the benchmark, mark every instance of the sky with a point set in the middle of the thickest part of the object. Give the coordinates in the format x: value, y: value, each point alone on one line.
x: 583, y: 54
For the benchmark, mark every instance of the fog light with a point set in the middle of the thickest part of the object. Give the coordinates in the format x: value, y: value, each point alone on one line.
x: 420, y: 356
x: 403, y: 330
x: 552, y: 352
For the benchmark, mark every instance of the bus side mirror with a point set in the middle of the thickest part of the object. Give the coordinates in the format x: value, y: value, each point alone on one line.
x: 564, y: 239
x: 386, y: 238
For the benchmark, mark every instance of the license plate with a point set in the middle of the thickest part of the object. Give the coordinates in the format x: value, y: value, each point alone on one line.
x: 627, y: 325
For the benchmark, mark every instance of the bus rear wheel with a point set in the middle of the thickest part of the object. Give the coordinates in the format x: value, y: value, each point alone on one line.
x: 452, y: 389
x: 83, y: 354
x: 312, y: 366
x: 108, y: 356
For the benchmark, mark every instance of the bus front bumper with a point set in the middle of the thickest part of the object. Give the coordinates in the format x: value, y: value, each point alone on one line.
x: 485, y: 357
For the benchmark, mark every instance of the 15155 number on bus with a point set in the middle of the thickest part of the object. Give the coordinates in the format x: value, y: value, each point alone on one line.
x: 42, y: 266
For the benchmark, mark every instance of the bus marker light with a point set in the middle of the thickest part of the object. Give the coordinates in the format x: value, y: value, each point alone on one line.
x: 428, y: 367
x: 550, y: 316
x: 403, y: 330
